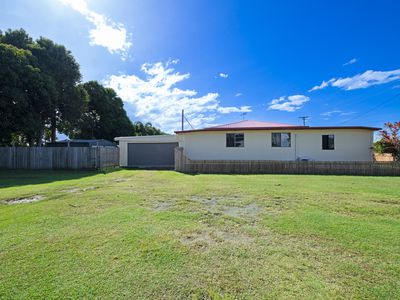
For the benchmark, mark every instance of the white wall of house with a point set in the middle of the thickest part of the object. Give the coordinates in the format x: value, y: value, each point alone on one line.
x: 350, y: 145
x: 125, y: 140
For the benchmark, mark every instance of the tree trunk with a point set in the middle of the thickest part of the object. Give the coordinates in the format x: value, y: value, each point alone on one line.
x: 39, y: 139
x: 53, y: 128
x: 31, y: 141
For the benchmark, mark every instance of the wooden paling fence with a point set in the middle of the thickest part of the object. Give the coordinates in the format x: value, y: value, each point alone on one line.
x: 183, y: 164
x: 53, y: 158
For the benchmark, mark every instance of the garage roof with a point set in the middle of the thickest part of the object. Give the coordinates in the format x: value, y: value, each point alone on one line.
x: 165, y: 138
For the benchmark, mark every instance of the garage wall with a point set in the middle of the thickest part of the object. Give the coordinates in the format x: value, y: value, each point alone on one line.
x: 124, y: 141
x: 151, y: 155
x: 123, y: 153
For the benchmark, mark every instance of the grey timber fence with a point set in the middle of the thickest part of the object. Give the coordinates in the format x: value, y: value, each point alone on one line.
x: 58, y: 158
x: 183, y: 164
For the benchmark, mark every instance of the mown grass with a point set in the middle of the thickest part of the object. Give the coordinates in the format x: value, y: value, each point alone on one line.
x: 165, y: 235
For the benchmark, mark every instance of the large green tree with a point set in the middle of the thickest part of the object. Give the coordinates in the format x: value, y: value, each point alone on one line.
x: 48, y: 76
x: 40, y: 94
x: 105, y: 117
x: 18, y: 38
x: 145, y: 129
x: 25, y: 94
x: 59, y: 64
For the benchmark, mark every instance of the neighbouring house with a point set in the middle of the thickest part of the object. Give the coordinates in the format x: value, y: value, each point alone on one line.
x: 81, y: 143
x: 251, y: 140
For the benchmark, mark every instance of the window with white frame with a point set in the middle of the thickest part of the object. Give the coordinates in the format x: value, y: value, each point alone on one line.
x: 281, y: 139
x: 234, y: 140
x: 328, y: 142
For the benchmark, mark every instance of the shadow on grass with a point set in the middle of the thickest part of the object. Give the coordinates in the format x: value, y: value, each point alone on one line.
x: 10, y: 178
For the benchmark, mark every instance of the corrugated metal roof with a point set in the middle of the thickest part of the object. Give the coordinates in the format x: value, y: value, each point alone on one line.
x: 252, y: 124
x: 257, y: 125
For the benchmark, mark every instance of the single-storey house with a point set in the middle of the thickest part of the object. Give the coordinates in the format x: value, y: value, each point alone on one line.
x: 251, y: 140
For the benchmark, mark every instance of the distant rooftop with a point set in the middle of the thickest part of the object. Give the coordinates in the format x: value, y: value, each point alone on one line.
x: 81, y: 143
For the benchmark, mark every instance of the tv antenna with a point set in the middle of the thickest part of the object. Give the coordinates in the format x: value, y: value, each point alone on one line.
x: 183, y: 121
x: 243, y: 114
x: 305, y: 119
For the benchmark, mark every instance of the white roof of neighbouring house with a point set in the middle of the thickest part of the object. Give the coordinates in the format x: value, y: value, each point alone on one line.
x: 165, y: 138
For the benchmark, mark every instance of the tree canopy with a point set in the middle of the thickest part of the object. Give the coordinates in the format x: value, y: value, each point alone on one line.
x: 25, y: 93
x: 41, y: 93
x: 58, y: 63
x: 105, y: 117
x: 390, y: 140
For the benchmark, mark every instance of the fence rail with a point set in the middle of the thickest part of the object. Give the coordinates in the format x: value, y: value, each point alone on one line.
x: 183, y: 164
x: 54, y: 158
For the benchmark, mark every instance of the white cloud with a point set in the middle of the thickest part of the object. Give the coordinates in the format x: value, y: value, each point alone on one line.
x: 330, y: 113
x: 157, y: 99
x: 336, y: 113
x: 233, y: 109
x: 350, y: 62
x: 290, y: 103
x: 360, y: 81
x: 105, y: 33
x: 347, y: 113
x: 223, y: 75
x: 323, y: 85
x: 238, y: 94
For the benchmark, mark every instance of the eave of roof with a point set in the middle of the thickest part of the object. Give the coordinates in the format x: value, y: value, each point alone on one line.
x: 278, y: 128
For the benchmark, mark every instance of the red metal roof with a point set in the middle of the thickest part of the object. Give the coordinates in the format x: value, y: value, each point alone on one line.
x: 257, y: 125
x: 251, y: 124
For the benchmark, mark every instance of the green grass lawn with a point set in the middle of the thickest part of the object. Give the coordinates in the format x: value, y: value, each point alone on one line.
x: 160, y: 234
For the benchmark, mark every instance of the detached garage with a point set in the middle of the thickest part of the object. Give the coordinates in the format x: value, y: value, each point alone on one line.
x: 155, y: 151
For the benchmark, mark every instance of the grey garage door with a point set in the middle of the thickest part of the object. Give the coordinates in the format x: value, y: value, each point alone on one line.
x: 151, y: 155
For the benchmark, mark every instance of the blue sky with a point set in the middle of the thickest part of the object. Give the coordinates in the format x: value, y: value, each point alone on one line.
x: 337, y: 62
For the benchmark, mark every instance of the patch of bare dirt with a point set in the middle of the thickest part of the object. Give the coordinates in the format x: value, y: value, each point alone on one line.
x: 161, y: 206
x: 219, y: 206
x: 232, y: 237
x: 250, y: 210
x: 203, y: 240
x: 74, y: 190
x: 386, y: 201
x: 198, y: 240
x: 80, y: 190
x: 31, y: 199
x: 208, y: 201
x: 120, y: 180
